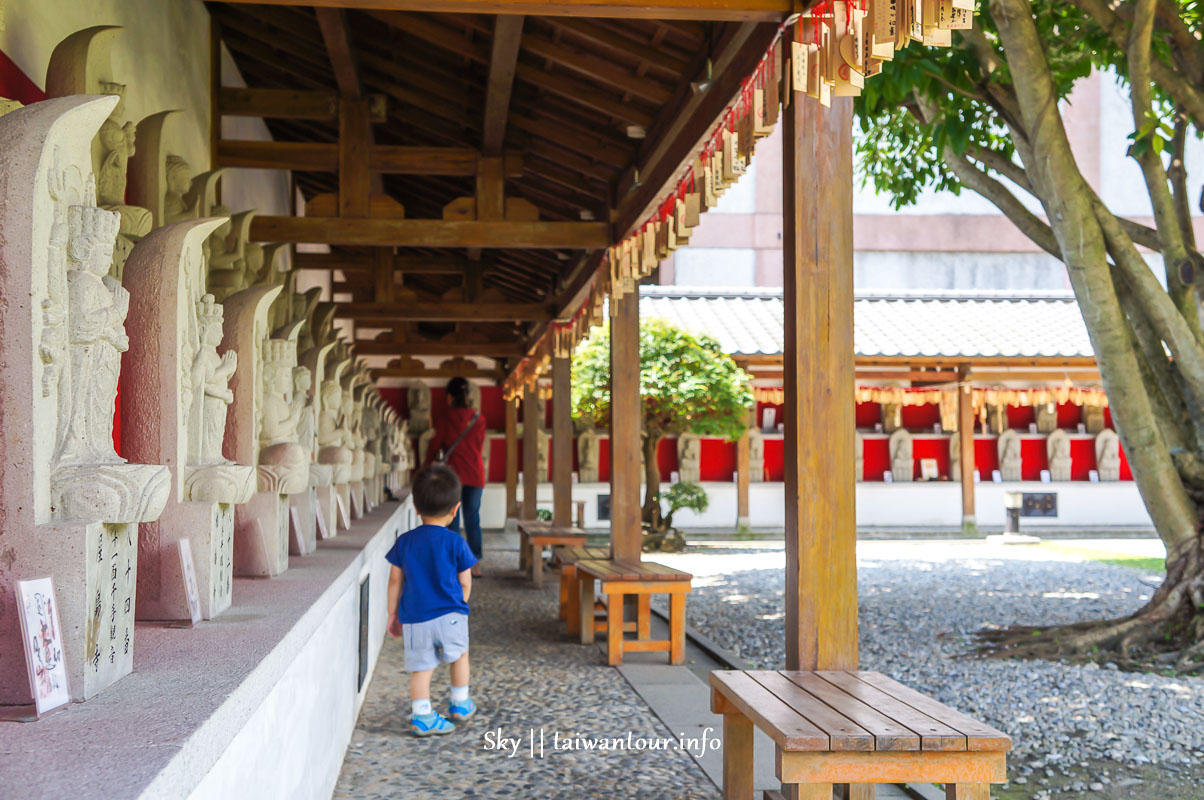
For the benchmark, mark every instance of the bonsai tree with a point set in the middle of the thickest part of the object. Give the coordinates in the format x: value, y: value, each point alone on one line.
x: 687, y: 383
x: 661, y: 535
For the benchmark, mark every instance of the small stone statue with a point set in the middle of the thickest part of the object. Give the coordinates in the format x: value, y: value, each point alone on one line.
x: 902, y: 462
x: 997, y: 419
x: 307, y: 422
x: 1009, y: 455
x: 587, y: 456
x: 96, y: 334
x: 212, y: 396
x: 689, y: 458
x: 117, y: 142
x: 756, y: 455
x: 1047, y: 418
x: 419, y: 398
x: 281, y: 411
x: 892, y: 417
x: 178, y: 202
x: 424, y: 444
x: 1057, y: 450
x: 1107, y: 455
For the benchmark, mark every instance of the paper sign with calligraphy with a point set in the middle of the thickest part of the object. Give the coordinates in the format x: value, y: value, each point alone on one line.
x: 188, y: 570
x: 42, y: 634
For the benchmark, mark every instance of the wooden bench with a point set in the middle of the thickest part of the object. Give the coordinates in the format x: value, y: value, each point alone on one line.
x: 617, y: 579
x: 851, y: 727
x: 535, y: 535
x: 569, y: 591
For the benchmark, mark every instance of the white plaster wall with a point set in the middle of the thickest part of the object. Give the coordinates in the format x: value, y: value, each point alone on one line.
x: 303, y: 724
x: 879, y: 505
x: 900, y: 270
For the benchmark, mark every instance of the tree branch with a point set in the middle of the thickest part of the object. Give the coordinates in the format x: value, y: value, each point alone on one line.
x: 1001, y: 164
x: 1177, y: 86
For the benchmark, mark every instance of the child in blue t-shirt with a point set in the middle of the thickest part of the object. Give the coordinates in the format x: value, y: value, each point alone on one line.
x: 429, y: 587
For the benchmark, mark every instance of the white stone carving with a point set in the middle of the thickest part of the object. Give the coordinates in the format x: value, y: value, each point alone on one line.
x: 418, y: 397
x: 1057, y: 450
x: 689, y: 458
x: 756, y: 455
x: 178, y: 396
x: 1107, y: 455
x: 902, y: 462
x: 67, y: 498
x: 1009, y: 455
x: 997, y: 419
x: 587, y: 456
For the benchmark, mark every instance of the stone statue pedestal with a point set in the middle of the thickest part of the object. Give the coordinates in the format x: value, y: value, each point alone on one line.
x: 261, y: 535
x: 338, y: 459
x: 308, y: 505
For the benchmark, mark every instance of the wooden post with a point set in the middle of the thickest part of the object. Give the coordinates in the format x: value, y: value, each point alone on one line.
x: 512, y: 458
x: 965, y: 437
x: 531, y: 424
x: 625, y: 531
x: 821, y: 526
x: 562, y: 443
x: 742, y: 481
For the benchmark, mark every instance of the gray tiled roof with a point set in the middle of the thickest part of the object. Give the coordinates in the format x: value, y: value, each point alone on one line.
x: 949, y: 324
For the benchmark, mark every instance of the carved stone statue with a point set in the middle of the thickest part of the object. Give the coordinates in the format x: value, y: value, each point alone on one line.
x: 689, y: 458
x: 178, y: 203
x: 587, y: 456
x: 283, y: 462
x: 474, y: 396
x: 859, y: 456
x: 1047, y: 418
x: 424, y: 444
x: 543, y: 439
x: 902, y: 463
x: 117, y: 146
x: 1093, y: 418
x: 332, y: 436
x: 756, y: 455
x: 1107, y: 455
x: 997, y: 419
x: 419, y: 399
x: 1057, y: 450
x: 955, y: 458
x: 307, y: 420
x: 1009, y: 455
x: 212, y: 396
x: 892, y: 417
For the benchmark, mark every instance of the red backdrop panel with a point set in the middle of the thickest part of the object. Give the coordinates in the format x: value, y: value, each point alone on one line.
x: 931, y: 448
x: 876, y: 458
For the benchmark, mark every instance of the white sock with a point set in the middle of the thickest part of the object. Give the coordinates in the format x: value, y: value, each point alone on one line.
x: 421, y: 707
x: 459, y: 693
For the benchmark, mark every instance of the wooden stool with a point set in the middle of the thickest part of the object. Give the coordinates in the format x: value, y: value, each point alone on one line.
x: 643, y: 579
x: 855, y: 728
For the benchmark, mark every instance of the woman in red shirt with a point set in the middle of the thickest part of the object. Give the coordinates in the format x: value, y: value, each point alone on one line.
x: 462, y: 430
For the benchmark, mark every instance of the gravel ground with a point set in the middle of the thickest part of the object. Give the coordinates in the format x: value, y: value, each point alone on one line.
x: 526, y: 675
x: 1077, y: 729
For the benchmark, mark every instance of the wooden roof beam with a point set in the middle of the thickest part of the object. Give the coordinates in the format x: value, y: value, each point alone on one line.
x: 721, y: 10
x: 388, y: 159
x: 437, y: 372
x: 333, y: 24
x: 431, y: 233
x: 369, y: 347
x: 503, y: 59
x: 375, y: 313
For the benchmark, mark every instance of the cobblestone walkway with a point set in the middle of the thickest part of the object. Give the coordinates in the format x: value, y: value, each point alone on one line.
x: 526, y: 676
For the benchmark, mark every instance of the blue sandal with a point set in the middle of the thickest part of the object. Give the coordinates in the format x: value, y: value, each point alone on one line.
x: 461, y: 711
x: 432, y: 724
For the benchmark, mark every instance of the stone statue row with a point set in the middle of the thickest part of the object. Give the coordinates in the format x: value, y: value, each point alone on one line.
x: 246, y: 426
x: 1045, y: 415
x: 1057, y: 451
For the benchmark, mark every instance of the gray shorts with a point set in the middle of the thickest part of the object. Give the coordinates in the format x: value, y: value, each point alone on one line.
x: 440, y: 640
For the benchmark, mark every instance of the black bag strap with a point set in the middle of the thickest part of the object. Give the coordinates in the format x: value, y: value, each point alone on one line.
x: 447, y: 453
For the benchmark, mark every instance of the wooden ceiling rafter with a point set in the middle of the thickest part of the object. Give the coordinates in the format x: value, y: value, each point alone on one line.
x: 666, y: 10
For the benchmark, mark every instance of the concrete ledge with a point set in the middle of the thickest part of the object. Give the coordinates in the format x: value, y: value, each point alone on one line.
x: 258, y: 702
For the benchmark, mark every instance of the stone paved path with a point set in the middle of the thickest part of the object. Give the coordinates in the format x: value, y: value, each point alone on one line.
x: 526, y: 675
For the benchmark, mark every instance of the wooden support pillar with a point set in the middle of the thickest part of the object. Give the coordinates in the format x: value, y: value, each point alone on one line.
x: 626, y: 535
x: 821, y: 527
x: 355, y: 143
x: 383, y: 275
x: 562, y: 442
x: 742, y: 481
x: 512, y: 510
x: 965, y: 439
x: 531, y: 424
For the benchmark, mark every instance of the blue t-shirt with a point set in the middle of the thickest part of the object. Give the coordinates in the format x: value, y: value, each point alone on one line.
x: 431, y: 559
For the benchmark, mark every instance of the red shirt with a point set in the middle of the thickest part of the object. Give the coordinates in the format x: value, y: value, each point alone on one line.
x: 466, y: 459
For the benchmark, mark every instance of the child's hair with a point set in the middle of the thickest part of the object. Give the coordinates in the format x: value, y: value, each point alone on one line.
x: 457, y: 390
x: 436, y: 490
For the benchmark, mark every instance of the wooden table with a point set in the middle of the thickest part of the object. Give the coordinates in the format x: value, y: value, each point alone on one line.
x: 643, y: 579
x: 852, y: 727
x: 535, y: 535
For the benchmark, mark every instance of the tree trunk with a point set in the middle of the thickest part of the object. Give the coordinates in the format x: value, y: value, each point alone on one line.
x: 652, y: 478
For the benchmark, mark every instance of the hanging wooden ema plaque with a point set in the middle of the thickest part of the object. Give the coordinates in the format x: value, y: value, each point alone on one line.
x: 648, y: 260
